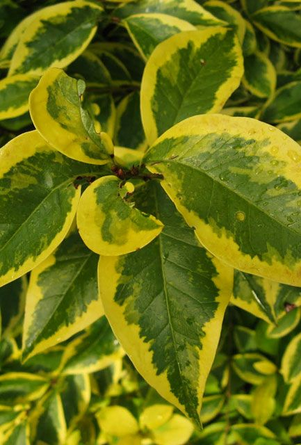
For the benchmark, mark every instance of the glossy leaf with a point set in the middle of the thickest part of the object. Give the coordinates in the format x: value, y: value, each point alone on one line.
x: 62, y: 298
x: 248, y: 174
x: 285, y: 105
x: 93, y: 351
x: 292, y: 129
x: 108, y: 224
x: 291, y: 364
x: 280, y: 23
x: 69, y: 26
x: 166, y: 304
x: 205, y: 64
x: 14, y: 94
x: 91, y: 69
x: 260, y: 75
x: 58, y: 114
x: 148, y: 30
x: 38, y: 180
x: 128, y: 128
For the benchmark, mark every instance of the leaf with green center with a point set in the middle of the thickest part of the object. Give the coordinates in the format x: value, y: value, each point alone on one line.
x: 248, y: 173
x: 75, y: 395
x: 260, y: 75
x: 69, y: 26
x: 108, y: 224
x: 166, y: 304
x: 227, y: 14
x: 14, y: 94
x: 20, y: 434
x: 62, y: 298
x: 190, y: 73
x: 285, y: 105
x: 285, y: 324
x: 21, y: 387
x: 12, y: 302
x: 211, y: 407
x: 249, y: 44
x: 148, y: 30
x: 39, y: 181
x: 58, y: 114
x: 291, y: 364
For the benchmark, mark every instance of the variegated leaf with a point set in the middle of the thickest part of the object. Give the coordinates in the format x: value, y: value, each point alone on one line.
x: 253, y: 367
x: 166, y: 304
x: 249, y: 44
x: 285, y: 324
x: 58, y: 114
x: 285, y: 105
x: 291, y: 363
x: 108, y: 224
x: 14, y: 94
x: 248, y: 208
x: 148, y: 30
x: 12, y: 302
x: 292, y: 404
x: 69, y: 26
x: 104, y: 111
x: 190, y: 73
x: 89, y: 67
x: 75, y: 395
x: 62, y: 298
x: 21, y: 387
x: 38, y: 202
x: 260, y: 75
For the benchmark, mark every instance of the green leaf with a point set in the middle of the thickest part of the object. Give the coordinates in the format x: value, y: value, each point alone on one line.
x: 12, y: 301
x: 205, y: 64
x: 128, y: 127
x: 119, y: 74
x: 280, y: 23
x: 62, y: 297
x: 243, y: 403
x: 126, y: 425
x: 155, y: 415
x: 48, y: 421
x: 292, y: 129
x: 252, y: 367
x: 108, y: 224
x: 93, y: 351
x: 18, y: 436
x: 245, y: 339
x: 260, y: 75
x: 187, y: 10
x: 263, y: 400
x: 148, y: 30
x: 292, y: 404
x: 58, y: 114
x: 248, y: 211
x: 69, y: 26
x: 89, y: 67
x: 291, y: 365
x: 39, y: 181
x: 285, y: 105
x: 75, y: 395
x: 247, y: 434
x: 21, y: 387
x: 166, y: 303
x: 211, y: 407
x: 249, y: 44
x: 104, y: 111
x: 285, y: 324
x: 14, y: 94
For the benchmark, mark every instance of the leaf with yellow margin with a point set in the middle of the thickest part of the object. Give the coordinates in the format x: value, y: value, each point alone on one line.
x: 237, y: 181
x: 166, y: 304
x: 57, y: 111
x: 291, y: 363
x: 62, y: 297
x: 108, y: 224
x: 14, y: 94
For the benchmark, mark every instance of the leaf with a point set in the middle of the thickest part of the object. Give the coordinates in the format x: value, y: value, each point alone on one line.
x: 89, y: 67
x: 176, y: 431
x: 58, y: 114
x: 12, y: 302
x: 39, y: 181
x: 127, y: 157
x: 119, y: 74
x: 249, y: 43
x: 285, y: 105
x: 211, y: 407
x: 227, y: 14
x: 291, y: 364
x: 263, y: 400
x: 260, y: 75
x: 247, y: 211
x: 127, y: 424
x: 93, y: 351
x: 285, y: 324
x: 128, y: 127
x: 149, y: 29
x: 183, y: 9
x: 205, y: 64
x: 279, y: 23
x: 14, y: 94
x: 292, y: 404
x: 245, y: 339
x: 165, y: 304
x: 70, y: 26
x: 247, y: 434
x: 241, y: 111
x: 104, y: 111
x: 75, y: 397
x: 154, y: 416
x: 48, y: 422
x: 108, y: 224
x: 21, y: 387
x: 62, y: 298
x: 19, y: 435
x: 252, y: 367
x: 292, y: 129
x: 9, y: 416
x: 242, y: 403
x: 295, y: 426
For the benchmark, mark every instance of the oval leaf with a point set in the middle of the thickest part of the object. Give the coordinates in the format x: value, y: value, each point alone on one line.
x: 14, y: 94
x: 260, y: 75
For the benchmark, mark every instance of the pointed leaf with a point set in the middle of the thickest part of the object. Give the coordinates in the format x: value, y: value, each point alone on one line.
x: 247, y: 207
x: 108, y: 224
x: 21, y: 387
x: 62, y: 298
x: 285, y: 105
x: 14, y: 94
x: 205, y: 64
x: 291, y: 363
x: 227, y: 14
x: 57, y: 112
x: 166, y: 304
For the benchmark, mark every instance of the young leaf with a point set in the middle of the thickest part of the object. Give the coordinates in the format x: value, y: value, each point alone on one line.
x: 58, y: 114
x: 190, y: 73
x: 248, y: 210
x: 70, y: 26
x: 148, y: 30
x: 38, y: 202
x: 62, y: 297
x: 14, y: 94
x: 108, y: 224
x: 166, y: 304
x: 291, y: 363
x: 156, y: 415
x: 260, y: 75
